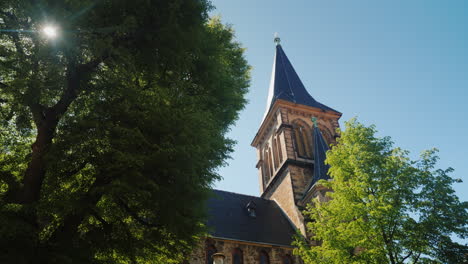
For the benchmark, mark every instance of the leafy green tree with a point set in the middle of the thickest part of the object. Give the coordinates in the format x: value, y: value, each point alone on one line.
x: 112, y: 131
x: 385, y: 207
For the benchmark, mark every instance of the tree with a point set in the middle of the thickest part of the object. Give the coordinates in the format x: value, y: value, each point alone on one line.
x: 111, y: 132
x: 384, y: 207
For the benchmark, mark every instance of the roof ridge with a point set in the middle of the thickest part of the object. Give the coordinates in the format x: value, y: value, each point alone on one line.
x: 247, y: 195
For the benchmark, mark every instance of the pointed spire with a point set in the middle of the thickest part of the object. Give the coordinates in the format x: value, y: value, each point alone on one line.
x: 320, y: 150
x: 285, y: 83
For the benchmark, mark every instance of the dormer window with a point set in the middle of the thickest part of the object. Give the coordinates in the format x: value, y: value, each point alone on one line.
x: 251, y: 209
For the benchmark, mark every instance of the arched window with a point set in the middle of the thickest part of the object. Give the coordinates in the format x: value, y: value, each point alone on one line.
x: 210, y: 250
x: 237, y: 256
x: 303, y: 140
x: 287, y: 259
x: 264, y: 259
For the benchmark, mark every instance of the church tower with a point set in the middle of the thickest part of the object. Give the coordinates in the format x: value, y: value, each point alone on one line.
x: 292, y: 140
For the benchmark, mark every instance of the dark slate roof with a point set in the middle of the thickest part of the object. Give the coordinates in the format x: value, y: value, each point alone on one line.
x: 228, y: 218
x: 285, y: 84
x: 320, y: 150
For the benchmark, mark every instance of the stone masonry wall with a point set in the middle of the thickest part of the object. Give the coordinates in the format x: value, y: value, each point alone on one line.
x: 250, y: 251
x: 283, y: 194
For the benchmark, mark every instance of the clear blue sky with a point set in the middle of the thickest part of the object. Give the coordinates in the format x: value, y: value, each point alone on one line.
x: 401, y: 65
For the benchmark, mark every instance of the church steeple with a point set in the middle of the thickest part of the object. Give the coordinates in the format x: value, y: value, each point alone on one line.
x: 290, y: 148
x: 285, y: 84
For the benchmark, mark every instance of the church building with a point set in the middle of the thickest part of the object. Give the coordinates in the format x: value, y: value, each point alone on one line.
x: 291, y: 143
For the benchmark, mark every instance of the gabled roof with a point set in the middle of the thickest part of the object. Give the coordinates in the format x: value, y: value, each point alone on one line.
x: 320, y: 150
x: 228, y: 218
x: 285, y: 84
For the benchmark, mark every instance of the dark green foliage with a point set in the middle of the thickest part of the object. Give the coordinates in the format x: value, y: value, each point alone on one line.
x: 126, y: 112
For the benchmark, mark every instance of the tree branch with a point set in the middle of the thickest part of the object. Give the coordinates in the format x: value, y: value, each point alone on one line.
x: 407, y: 256
x: 75, y: 75
x: 415, y: 261
x: 77, y: 169
x: 105, y: 224
x: 133, y: 214
x: 37, y: 111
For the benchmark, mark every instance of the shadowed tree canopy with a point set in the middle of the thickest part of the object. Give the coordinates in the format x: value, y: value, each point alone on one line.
x: 111, y: 132
x: 385, y: 207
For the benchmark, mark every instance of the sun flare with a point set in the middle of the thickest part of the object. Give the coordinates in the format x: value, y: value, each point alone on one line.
x: 50, y: 31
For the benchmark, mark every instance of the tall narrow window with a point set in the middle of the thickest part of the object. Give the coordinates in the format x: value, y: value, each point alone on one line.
x: 299, y: 141
x: 307, y: 143
x: 237, y: 256
x: 270, y: 163
x: 266, y: 166
x: 264, y: 259
x: 278, y: 148
x: 210, y: 250
x: 303, y: 141
x: 275, y: 153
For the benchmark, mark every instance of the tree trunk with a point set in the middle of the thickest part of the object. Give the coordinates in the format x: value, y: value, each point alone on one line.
x: 46, y: 120
x: 35, y: 173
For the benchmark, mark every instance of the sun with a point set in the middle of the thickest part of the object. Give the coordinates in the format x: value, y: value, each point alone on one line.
x: 50, y: 31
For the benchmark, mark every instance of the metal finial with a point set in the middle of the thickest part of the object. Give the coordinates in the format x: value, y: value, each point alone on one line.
x: 277, y: 38
x: 314, y: 120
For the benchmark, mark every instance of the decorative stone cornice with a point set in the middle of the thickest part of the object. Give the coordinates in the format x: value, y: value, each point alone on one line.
x: 298, y: 109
